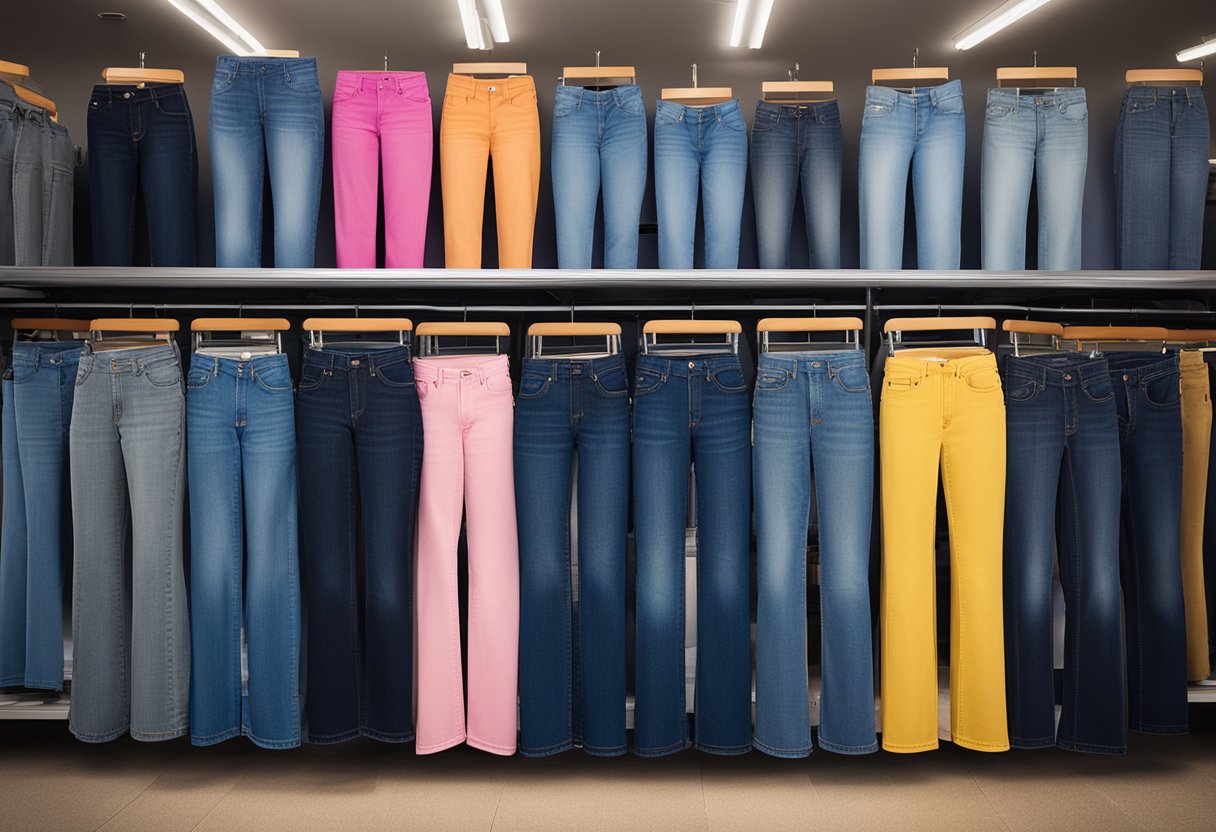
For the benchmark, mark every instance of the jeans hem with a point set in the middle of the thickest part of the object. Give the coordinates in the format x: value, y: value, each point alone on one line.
x: 1089, y: 748
x: 332, y: 739
x: 849, y: 750
x: 214, y: 739
x: 1032, y: 744
x: 492, y: 748
x: 38, y: 684
x: 98, y: 738
x: 979, y: 745
x: 381, y: 736
x: 909, y: 749
x: 723, y: 750
x: 783, y: 753
x: 12, y: 682
x: 546, y: 751
x: 160, y: 736
x: 442, y: 745
x: 1159, y: 729
x: 662, y: 751
x: 613, y: 751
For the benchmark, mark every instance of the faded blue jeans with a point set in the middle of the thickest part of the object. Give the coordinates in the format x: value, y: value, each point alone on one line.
x: 692, y: 410
x: 599, y: 143
x: 572, y: 659
x: 14, y: 557
x: 244, y: 550
x: 130, y: 623
x: 797, y: 148
x: 1041, y: 138
x: 925, y: 130
x: 814, y: 411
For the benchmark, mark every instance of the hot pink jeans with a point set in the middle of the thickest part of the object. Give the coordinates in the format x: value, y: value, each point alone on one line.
x: 381, y: 118
x: 467, y: 423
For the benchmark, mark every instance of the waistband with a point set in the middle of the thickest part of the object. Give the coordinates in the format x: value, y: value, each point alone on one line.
x: 48, y: 353
x: 689, y: 366
x: 798, y: 110
x: 683, y: 111
x: 252, y: 65
x: 1192, y: 360
x: 1188, y: 94
x: 353, y: 358
x: 401, y: 81
x: 627, y: 92
x: 135, y: 360
x: 20, y: 108
x: 828, y: 360
x: 460, y: 368
x: 1141, y: 365
x: 220, y: 365
x: 934, y: 95
x: 1062, y: 370
x: 558, y: 368
x: 906, y: 363
x: 1065, y: 95
x: 468, y: 84
x: 136, y: 94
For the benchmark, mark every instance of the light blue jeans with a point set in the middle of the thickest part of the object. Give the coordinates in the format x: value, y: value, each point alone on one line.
x: 130, y: 624
x: 925, y: 130
x: 244, y: 551
x: 1033, y: 137
x: 699, y: 149
x: 266, y: 112
x: 813, y: 411
x: 599, y: 141
x: 792, y: 146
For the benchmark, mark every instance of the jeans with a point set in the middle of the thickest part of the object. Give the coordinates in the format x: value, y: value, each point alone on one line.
x: 1062, y: 494
x: 9, y: 127
x: 487, y: 120
x: 1043, y: 138
x: 14, y: 554
x: 1196, y: 444
x: 1209, y: 524
x: 266, y: 112
x: 467, y: 414
x: 244, y: 550
x: 927, y: 130
x: 381, y: 120
x: 699, y: 149
x: 44, y: 376
x: 793, y: 146
x: 813, y: 410
x: 599, y: 140
x: 130, y: 624
x: 1161, y: 178
x: 142, y: 139
x: 37, y: 162
x: 572, y: 657
x: 360, y: 448
x: 948, y: 414
x: 692, y: 410
x: 1150, y: 447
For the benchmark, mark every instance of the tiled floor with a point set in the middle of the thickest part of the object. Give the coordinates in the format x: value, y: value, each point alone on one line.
x: 48, y: 781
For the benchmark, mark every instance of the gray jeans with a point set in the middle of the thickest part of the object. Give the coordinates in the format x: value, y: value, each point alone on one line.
x: 130, y: 625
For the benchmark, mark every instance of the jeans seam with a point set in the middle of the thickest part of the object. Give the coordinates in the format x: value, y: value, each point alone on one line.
x: 1077, y: 585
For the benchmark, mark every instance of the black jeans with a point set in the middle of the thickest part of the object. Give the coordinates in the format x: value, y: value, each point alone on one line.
x: 142, y: 138
x: 359, y: 429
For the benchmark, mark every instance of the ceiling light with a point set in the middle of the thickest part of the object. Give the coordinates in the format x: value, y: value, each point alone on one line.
x: 483, y: 28
x: 496, y: 20
x: 220, y: 25
x: 750, y: 16
x: 1009, y: 12
x: 1208, y: 47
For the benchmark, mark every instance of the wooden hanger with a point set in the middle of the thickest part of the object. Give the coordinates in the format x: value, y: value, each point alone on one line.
x: 488, y: 69
x: 1164, y: 77
x: 729, y: 330
x: 1036, y: 77
x: 141, y: 75
x: 768, y: 326
x: 1190, y: 336
x: 1022, y: 335
x: 131, y: 333
x: 27, y: 95
x: 599, y: 76
x: 697, y: 96
x: 537, y: 333
x: 254, y: 336
x: 795, y: 90
x: 317, y: 327
x: 10, y: 68
x: 914, y: 73
x: 979, y: 325
x: 429, y: 334
x: 1111, y: 338
x: 36, y: 329
x: 280, y: 53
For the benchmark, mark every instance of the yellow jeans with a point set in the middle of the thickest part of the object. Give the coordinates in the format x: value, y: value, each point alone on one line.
x: 1196, y: 439
x: 950, y: 413
x: 489, y: 119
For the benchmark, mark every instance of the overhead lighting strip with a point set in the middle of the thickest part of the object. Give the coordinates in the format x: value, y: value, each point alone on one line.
x: 1006, y: 14
x: 484, y: 26
x: 212, y: 18
x: 1202, y: 50
x: 751, y: 20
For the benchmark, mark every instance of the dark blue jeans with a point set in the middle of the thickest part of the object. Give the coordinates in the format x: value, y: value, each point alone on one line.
x: 142, y: 139
x: 692, y: 410
x: 1147, y: 392
x: 572, y: 658
x: 814, y: 410
x: 1062, y: 489
x: 359, y: 429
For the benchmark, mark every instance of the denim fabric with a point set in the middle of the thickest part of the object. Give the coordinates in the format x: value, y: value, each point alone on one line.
x: 359, y: 430
x: 926, y: 130
x: 1161, y: 178
x: 572, y: 658
x: 142, y: 139
x: 39, y: 193
x: 699, y: 150
x: 9, y: 128
x: 692, y: 410
x: 792, y: 146
x: 814, y: 411
x: 44, y: 376
x: 266, y: 112
x: 1209, y: 524
x: 130, y: 623
x: 1044, y: 138
x: 244, y: 550
x: 14, y: 558
x: 599, y: 142
x: 1062, y: 437
x: 1147, y: 392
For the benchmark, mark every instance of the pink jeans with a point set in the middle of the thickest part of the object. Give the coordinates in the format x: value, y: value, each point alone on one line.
x: 467, y: 423
x: 381, y: 118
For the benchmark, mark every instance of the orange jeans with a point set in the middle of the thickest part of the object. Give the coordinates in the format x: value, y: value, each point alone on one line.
x: 489, y: 119
x: 1196, y: 440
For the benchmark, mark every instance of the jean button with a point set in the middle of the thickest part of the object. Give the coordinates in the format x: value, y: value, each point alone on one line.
x: 1068, y: 377
x: 816, y: 364
x: 1126, y: 377
x: 113, y: 364
x: 491, y: 88
x: 692, y: 365
x: 354, y: 362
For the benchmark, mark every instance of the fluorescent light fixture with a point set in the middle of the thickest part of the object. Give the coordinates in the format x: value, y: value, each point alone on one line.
x: 1208, y: 47
x: 750, y: 16
x: 220, y: 25
x: 482, y: 29
x: 1008, y: 12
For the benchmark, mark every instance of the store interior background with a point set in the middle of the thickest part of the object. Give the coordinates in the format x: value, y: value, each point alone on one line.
x: 66, y: 46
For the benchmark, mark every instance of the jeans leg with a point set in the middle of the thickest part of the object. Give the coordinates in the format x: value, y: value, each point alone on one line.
x: 13, y: 552
x: 937, y: 187
x: 1188, y: 180
x: 774, y: 158
x: 237, y: 171
x: 1006, y: 171
x: 113, y: 180
x: 677, y: 174
x: 576, y: 181
x: 887, y: 140
x: 168, y: 160
x: 821, y: 173
x: 623, y: 161
x: 406, y: 142
x: 295, y: 156
x: 1062, y: 159
x: 723, y: 185
x: 356, y: 160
